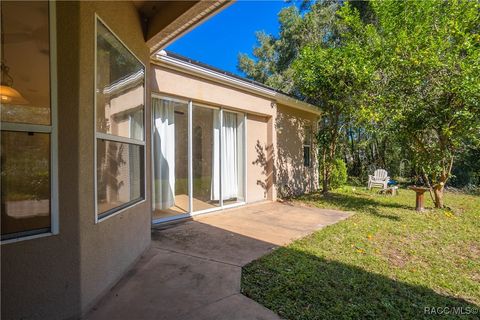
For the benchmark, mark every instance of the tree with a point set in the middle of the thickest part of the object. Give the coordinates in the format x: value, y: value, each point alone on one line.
x: 429, y: 79
x: 334, y: 73
x: 274, y: 55
x: 424, y: 64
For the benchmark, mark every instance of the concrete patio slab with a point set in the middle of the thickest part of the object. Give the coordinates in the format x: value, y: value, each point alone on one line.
x: 193, y: 269
x: 165, y: 285
x: 275, y: 223
x: 199, y: 239
x: 235, y: 307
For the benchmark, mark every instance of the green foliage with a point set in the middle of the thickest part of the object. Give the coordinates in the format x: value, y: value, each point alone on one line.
x: 467, y: 171
x: 335, y: 73
x: 426, y: 83
x: 339, y: 175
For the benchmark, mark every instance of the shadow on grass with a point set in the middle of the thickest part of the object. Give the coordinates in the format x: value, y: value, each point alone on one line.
x: 353, y: 203
x: 298, y: 285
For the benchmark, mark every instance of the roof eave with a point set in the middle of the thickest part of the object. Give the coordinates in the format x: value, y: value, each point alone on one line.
x: 199, y: 71
x: 159, y: 36
x: 297, y: 104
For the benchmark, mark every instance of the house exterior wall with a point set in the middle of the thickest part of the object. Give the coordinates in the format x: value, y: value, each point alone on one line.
x: 110, y: 247
x: 275, y: 133
x: 258, y: 147
x: 61, y: 276
x: 292, y: 177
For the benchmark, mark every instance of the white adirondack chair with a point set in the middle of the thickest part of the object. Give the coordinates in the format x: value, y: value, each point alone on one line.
x: 379, y: 178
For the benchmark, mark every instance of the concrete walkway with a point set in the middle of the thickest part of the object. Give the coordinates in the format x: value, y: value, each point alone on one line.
x: 193, y: 269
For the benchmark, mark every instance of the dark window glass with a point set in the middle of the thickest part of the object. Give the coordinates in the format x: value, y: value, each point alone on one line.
x: 25, y: 182
x: 306, y: 156
x: 307, y: 145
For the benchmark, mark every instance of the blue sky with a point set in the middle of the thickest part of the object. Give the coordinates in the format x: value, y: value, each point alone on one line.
x: 218, y: 41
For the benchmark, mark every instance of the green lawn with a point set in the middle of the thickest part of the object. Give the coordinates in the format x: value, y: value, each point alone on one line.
x: 385, y: 262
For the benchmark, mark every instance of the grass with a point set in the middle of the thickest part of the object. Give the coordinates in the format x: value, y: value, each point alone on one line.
x: 386, y: 261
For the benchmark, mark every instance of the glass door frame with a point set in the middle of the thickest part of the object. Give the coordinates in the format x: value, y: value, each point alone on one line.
x: 192, y: 213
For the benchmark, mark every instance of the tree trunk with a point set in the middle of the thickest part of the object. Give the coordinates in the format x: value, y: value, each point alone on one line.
x: 327, y: 170
x: 328, y: 154
x: 438, y: 192
x: 325, y: 185
x: 324, y: 171
x: 438, y: 189
x: 383, y: 152
x: 427, y: 181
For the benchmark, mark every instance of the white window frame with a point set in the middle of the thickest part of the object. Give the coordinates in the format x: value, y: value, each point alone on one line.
x: 50, y: 129
x: 113, y: 138
x: 192, y: 213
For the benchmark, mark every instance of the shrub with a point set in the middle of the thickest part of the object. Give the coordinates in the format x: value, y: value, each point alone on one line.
x: 339, y: 175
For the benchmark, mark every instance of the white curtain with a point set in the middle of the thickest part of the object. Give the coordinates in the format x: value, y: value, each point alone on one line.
x: 229, y: 156
x: 215, y: 184
x: 164, y: 153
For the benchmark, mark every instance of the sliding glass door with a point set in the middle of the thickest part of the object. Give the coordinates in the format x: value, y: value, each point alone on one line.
x: 170, y: 157
x: 206, y: 158
x: 198, y: 158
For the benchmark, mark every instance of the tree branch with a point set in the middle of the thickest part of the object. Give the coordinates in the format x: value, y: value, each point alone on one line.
x: 425, y: 176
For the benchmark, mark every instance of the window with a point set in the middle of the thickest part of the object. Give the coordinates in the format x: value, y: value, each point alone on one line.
x: 307, y: 146
x: 119, y: 121
x: 29, y: 205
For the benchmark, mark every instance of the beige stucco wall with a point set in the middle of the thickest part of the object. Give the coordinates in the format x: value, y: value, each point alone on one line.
x: 258, y: 152
x: 190, y: 87
x: 59, y: 277
x: 110, y: 247
x: 291, y: 176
